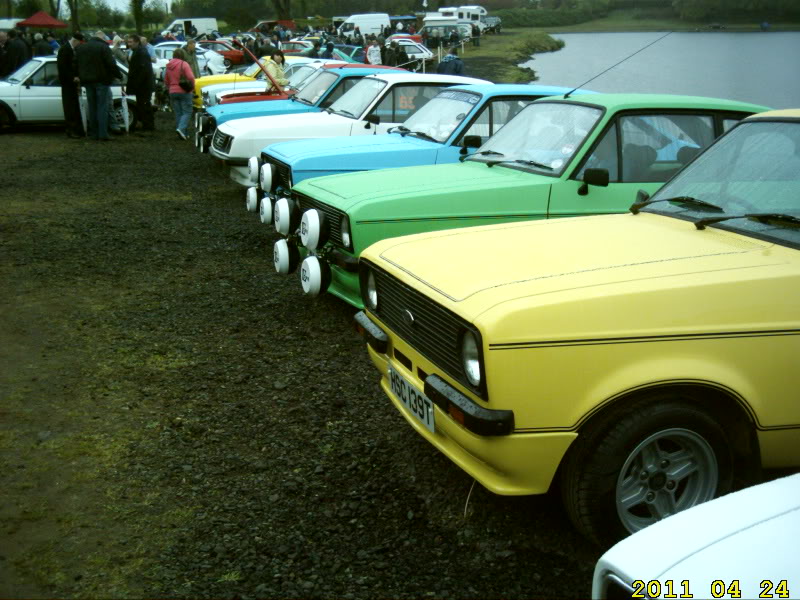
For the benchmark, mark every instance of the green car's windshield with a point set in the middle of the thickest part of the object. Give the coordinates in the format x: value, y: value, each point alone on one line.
x: 359, y: 98
x: 439, y: 117
x: 544, y: 133
x: 24, y: 71
x: 752, y: 170
x: 316, y: 87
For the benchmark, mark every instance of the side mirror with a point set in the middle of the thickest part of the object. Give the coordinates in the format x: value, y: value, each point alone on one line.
x: 598, y: 177
x: 372, y: 120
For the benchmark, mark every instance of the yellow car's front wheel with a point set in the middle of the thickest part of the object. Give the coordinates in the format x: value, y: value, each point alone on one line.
x: 644, y: 462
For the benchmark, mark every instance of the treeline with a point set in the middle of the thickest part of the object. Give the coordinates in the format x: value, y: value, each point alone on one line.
x: 555, y: 13
x: 91, y: 12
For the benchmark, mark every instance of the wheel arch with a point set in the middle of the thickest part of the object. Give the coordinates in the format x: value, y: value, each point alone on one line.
x: 722, y: 403
x: 9, y: 111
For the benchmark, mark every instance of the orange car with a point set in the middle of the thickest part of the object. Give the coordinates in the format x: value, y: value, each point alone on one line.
x: 231, y: 54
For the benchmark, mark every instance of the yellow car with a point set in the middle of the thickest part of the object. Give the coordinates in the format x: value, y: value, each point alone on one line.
x: 647, y: 361
x: 250, y: 74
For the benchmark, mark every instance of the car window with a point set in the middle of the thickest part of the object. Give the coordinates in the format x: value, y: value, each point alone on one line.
x: 494, y: 115
x: 47, y: 75
x: 404, y: 100
x: 604, y: 156
x: 652, y: 148
x: 728, y: 123
x: 355, y: 102
x: 753, y: 169
x: 543, y: 137
x: 311, y: 93
x: 439, y: 117
x: 655, y: 147
x: 342, y: 87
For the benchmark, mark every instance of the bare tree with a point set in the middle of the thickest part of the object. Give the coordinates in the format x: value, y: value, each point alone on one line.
x: 283, y: 8
x: 73, y: 14
x: 137, y: 8
x: 55, y: 7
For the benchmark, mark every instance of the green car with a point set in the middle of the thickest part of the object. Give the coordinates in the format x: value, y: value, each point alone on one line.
x: 558, y: 157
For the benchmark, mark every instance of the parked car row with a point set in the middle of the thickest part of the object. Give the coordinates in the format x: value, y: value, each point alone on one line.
x: 637, y: 353
x: 596, y: 292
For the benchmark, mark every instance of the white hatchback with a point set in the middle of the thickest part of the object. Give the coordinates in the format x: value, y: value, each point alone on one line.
x: 32, y: 93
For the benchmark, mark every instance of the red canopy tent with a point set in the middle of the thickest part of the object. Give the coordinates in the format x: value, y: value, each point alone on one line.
x: 42, y: 20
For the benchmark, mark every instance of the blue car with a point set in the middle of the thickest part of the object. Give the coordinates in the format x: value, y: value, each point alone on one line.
x: 449, y: 127
x: 322, y: 90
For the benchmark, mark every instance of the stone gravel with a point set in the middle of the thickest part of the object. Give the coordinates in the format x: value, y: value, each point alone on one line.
x: 259, y: 458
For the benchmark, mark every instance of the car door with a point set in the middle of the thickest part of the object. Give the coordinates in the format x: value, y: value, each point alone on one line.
x: 399, y: 102
x: 640, y: 150
x: 490, y: 118
x: 40, y: 95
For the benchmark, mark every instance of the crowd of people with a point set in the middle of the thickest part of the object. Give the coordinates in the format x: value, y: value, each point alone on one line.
x: 91, y: 63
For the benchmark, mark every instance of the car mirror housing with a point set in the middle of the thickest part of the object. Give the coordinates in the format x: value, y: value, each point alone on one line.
x: 598, y: 177
x: 470, y: 141
x: 372, y: 120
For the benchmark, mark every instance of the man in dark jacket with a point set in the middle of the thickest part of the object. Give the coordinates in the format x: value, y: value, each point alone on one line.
x: 68, y: 76
x: 141, y: 82
x: 40, y: 46
x: 97, y: 69
x: 451, y: 64
x: 3, y: 54
x: 17, y: 54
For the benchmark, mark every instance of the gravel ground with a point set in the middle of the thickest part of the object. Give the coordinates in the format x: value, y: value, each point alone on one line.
x: 179, y: 421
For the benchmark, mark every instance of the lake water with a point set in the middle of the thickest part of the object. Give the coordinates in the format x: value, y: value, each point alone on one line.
x: 755, y: 67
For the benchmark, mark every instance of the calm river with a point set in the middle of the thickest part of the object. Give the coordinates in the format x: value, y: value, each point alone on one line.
x: 753, y: 67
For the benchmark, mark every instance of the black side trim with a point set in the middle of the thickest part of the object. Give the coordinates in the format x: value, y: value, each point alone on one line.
x: 645, y: 339
x: 375, y: 336
x: 477, y: 419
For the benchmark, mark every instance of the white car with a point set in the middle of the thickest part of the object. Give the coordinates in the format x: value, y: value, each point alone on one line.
x: 414, y: 50
x: 32, y: 94
x: 298, y: 71
x: 210, y: 62
x: 373, y: 105
x: 743, y: 545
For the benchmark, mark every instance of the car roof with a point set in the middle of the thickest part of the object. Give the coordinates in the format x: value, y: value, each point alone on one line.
x: 425, y: 78
x: 359, y: 66
x: 785, y: 113
x: 510, y: 89
x: 618, y: 102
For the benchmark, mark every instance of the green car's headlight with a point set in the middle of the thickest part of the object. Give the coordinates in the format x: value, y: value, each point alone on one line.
x: 347, y: 239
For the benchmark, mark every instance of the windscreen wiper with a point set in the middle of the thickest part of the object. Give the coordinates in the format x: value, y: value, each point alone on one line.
x: 424, y: 136
x: 681, y: 200
x: 344, y: 112
x: 520, y: 161
x: 404, y: 131
x: 765, y: 218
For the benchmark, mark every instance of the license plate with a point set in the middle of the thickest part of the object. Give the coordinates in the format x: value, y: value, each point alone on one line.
x: 414, y: 400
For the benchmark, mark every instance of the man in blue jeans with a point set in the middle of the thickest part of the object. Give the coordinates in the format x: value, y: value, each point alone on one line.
x: 97, y: 69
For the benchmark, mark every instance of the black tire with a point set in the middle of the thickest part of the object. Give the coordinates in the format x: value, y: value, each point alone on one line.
x: 227, y: 62
x: 6, y: 119
x: 592, y: 472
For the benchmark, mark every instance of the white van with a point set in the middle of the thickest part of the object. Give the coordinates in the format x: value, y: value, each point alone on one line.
x: 192, y: 26
x: 6, y: 24
x: 366, y: 23
x: 473, y: 15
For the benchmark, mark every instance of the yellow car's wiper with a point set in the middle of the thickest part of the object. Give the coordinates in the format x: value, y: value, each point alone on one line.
x: 682, y: 200
x: 766, y: 218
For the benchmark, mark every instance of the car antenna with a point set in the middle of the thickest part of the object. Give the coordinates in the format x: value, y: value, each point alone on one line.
x: 616, y: 64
